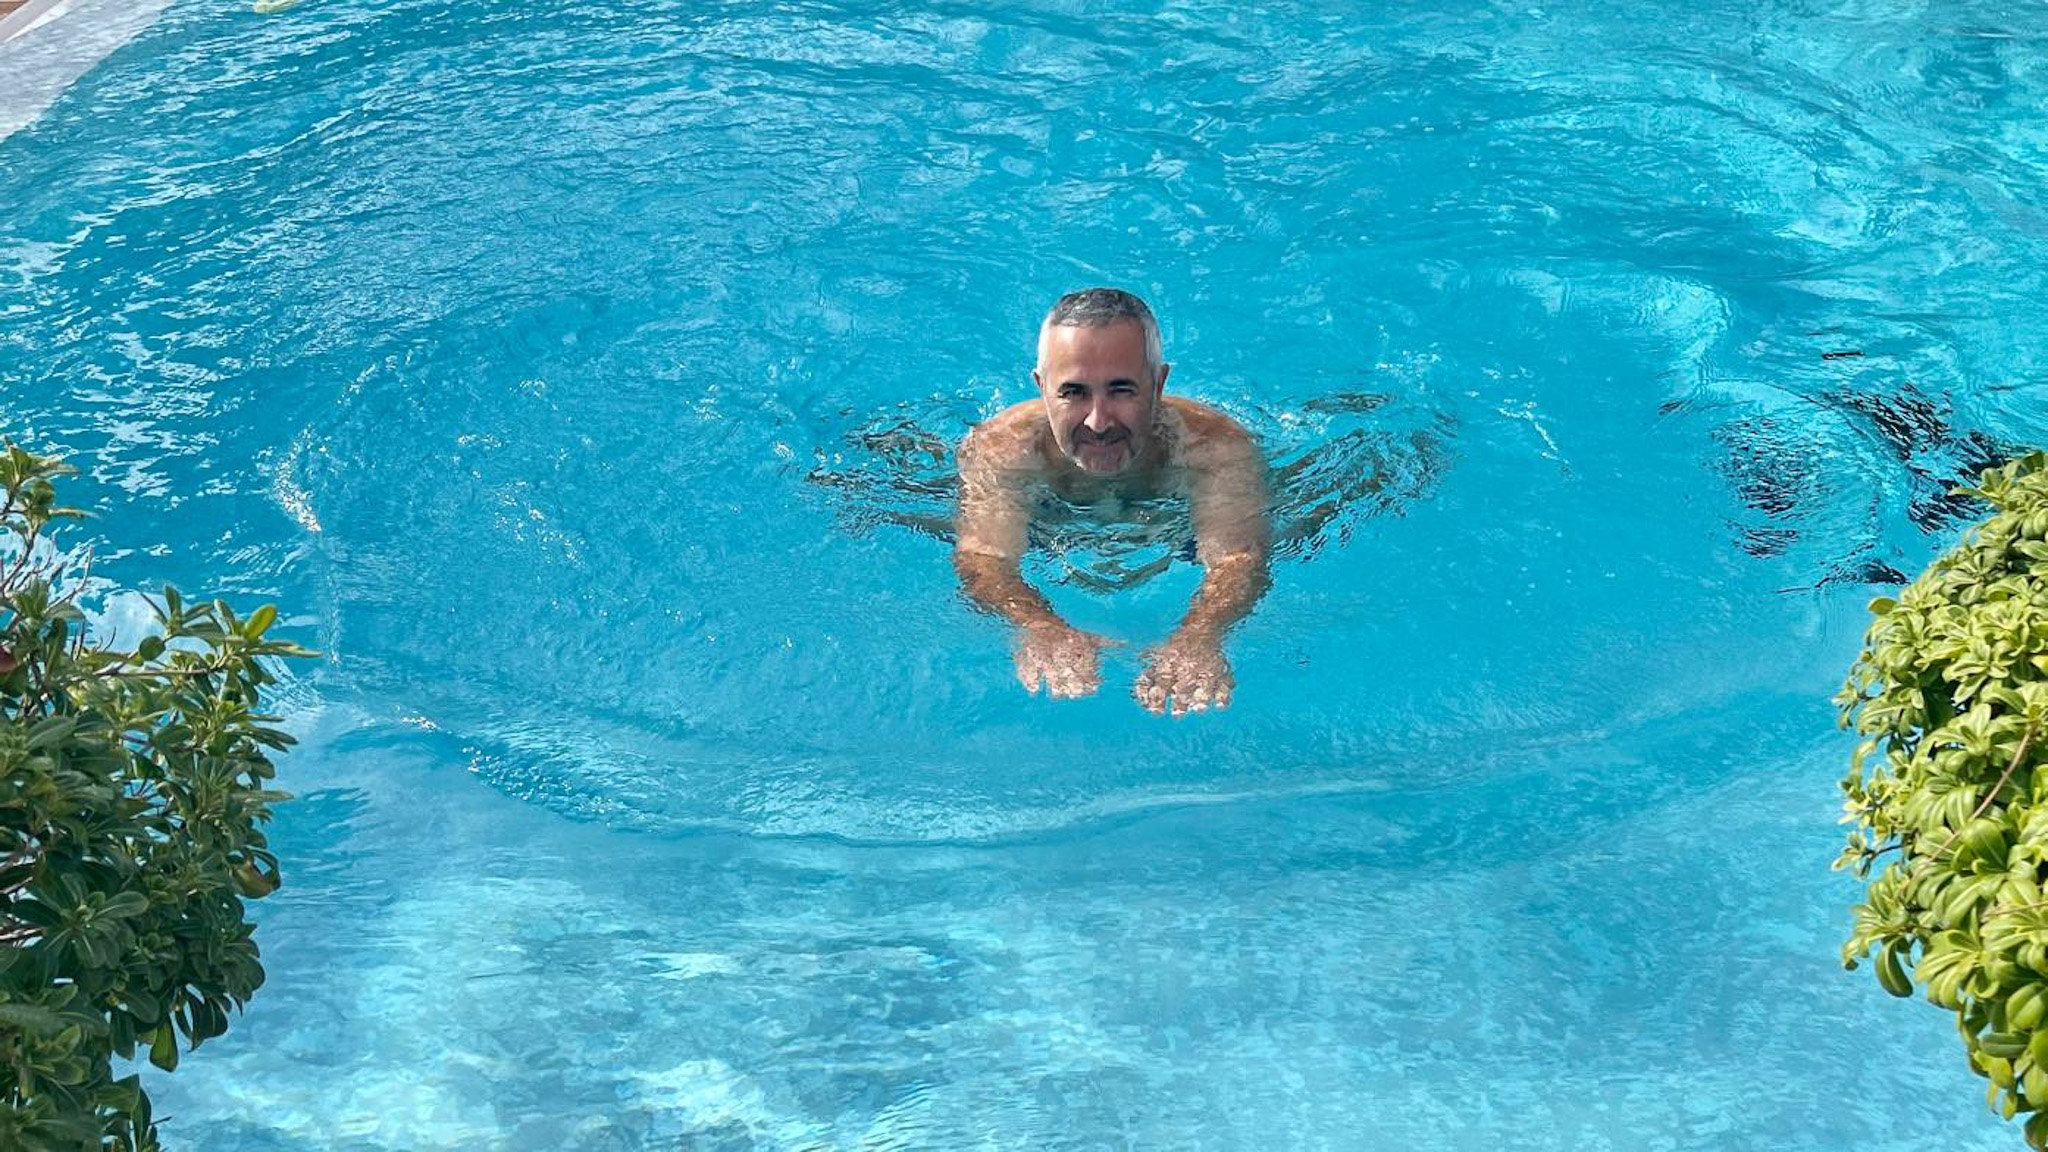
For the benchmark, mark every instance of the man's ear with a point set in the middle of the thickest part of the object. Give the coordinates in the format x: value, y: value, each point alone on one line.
x: 1161, y: 386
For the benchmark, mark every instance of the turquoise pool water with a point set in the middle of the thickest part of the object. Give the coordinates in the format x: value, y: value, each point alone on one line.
x: 580, y: 381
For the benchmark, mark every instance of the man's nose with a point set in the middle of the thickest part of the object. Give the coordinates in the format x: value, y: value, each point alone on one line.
x: 1098, y: 417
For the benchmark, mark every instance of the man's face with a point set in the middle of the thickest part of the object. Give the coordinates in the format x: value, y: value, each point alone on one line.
x: 1100, y: 394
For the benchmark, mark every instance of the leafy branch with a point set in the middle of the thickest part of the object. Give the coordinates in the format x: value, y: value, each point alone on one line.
x: 1951, y: 692
x: 134, y: 787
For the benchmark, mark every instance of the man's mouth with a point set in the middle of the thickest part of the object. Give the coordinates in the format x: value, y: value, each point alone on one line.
x: 1105, y: 454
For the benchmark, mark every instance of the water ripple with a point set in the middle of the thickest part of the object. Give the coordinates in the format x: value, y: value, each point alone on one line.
x: 591, y: 376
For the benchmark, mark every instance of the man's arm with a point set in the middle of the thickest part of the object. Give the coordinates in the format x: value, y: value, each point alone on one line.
x: 988, y: 551
x: 989, y: 533
x: 997, y: 586
x: 1233, y: 539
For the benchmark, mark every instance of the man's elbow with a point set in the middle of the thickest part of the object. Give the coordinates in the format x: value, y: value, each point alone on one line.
x: 1248, y: 571
x: 1260, y: 577
x: 979, y: 569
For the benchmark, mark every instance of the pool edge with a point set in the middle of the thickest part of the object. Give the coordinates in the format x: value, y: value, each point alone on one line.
x: 53, y: 43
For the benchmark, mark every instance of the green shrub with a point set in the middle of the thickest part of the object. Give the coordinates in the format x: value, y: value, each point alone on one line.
x: 1951, y: 693
x: 132, y: 791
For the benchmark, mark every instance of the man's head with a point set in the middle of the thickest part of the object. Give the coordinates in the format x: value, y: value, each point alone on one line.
x: 1100, y: 374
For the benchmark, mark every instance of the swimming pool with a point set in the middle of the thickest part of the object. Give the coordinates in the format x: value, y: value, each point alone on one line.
x: 581, y: 382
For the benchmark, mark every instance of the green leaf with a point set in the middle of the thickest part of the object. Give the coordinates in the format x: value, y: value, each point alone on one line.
x: 50, y: 730
x: 1891, y: 974
x: 2037, y: 1130
x: 125, y: 904
x: 163, y: 1051
x: 2003, y: 1045
x: 32, y: 1018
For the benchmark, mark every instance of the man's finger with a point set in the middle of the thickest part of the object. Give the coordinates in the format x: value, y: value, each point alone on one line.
x: 1208, y: 692
x: 1148, y: 692
x: 1085, y: 677
x: 1066, y: 683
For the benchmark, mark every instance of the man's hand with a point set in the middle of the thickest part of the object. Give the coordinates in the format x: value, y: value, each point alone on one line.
x: 1190, y: 673
x: 1066, y: 661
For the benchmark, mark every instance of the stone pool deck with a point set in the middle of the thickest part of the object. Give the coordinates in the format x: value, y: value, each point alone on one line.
x: 40, y: 57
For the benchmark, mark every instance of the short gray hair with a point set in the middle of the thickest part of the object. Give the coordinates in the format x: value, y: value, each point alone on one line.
x: 1099, y: 308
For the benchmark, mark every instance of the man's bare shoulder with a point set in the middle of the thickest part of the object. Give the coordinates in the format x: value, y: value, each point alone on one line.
x: 1210, y: 437
x: 1007, y: 441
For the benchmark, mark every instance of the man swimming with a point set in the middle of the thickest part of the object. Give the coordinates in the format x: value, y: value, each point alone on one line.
x: 1101, y: 432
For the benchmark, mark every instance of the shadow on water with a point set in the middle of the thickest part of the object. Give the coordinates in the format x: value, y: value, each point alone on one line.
x: 1336, y: 462
x: 1785, y: 466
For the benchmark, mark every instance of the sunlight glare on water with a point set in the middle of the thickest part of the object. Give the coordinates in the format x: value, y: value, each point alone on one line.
x: 584, y: 381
